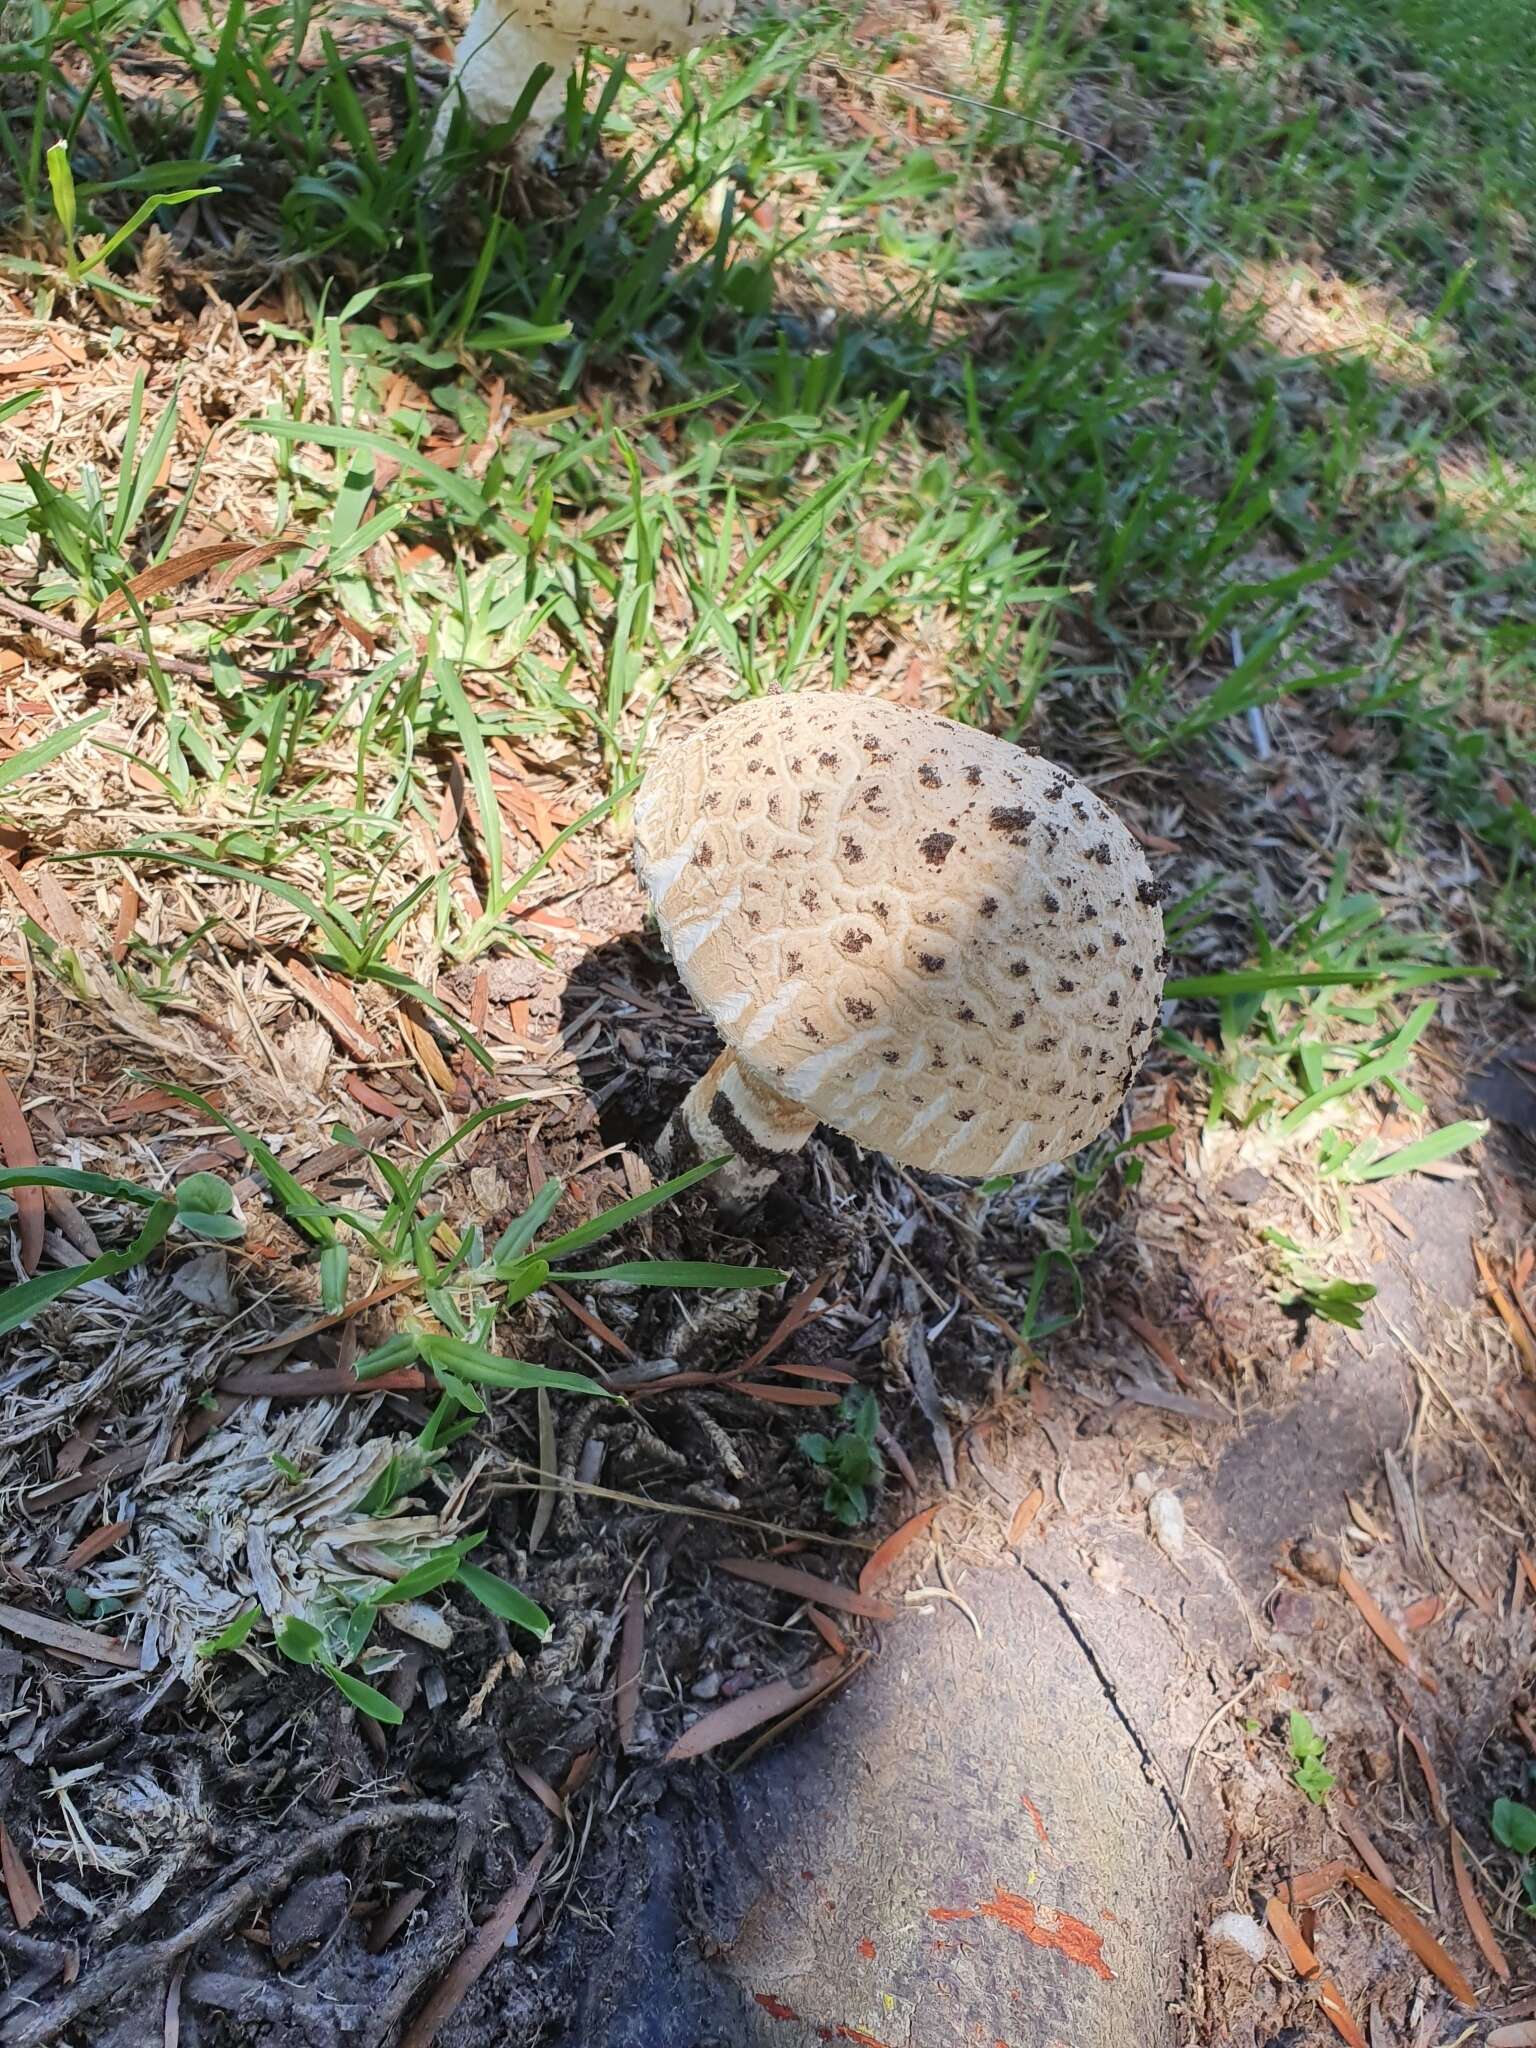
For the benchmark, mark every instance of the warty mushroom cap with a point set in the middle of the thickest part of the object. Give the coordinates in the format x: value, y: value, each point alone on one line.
x: 507, y: 41
x: 945, y: 947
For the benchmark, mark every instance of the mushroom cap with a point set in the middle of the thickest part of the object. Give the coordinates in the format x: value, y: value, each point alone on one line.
x: 941, y: 945
x: 654, y: 28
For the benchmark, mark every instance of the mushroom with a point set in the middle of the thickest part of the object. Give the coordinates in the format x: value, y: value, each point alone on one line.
x: 940, y: 945
x: 507, y: 41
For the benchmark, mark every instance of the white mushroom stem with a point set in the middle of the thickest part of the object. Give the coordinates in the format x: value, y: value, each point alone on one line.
x: 493, y: 64
x: 734, y: 1110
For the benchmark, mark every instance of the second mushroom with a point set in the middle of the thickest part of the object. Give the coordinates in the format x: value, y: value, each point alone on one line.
x: 942, y: 946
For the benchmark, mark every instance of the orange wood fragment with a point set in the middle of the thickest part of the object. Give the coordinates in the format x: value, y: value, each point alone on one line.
x: 17, y: 1150
x: 880, y: 1560
x: 1025, y: 1513
x: 1476, y: 1918
x: 1292, y: 1940
x: 1037, y: 1817
x: 1382, y: 1629
x: 1509, y: 1316
x: 1343, y: 2020
x: 1074, y: 1939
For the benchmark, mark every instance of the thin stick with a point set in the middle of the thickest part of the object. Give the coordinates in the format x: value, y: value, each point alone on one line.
x: 539, y: 1484
x: 132, y: 1965
x: 139, y: 657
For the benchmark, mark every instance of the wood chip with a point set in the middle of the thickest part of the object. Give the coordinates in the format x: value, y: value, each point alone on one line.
x: 786, y: 1578
x: 1310, y: 1885
x: 1416, y: 1743
x: 750, y: 1710
x: 901, y: 1539
x: 1521, y: 2035
x: 18, y: 1151
x: 1411, y: 1929
x: 474, y: 1960
x: 1476, y: 1919
x: 26, y: 1900
x: 48, y: 1634
x: 1025, y: 1513
x: 1382, y: 1629
x: 1292, y: 1940
x: 1343, y: 2020
x: 94, y: 1544
x: 626, y: 1692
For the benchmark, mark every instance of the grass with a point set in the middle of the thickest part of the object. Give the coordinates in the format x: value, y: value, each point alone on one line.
x: 1155, y: 381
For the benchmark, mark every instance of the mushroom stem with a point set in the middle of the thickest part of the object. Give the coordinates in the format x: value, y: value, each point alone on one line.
x: 732, y: 1109
x: 496, y: 57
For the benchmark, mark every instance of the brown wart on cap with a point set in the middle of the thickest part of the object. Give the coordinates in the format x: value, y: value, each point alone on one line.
x: 905, y: 931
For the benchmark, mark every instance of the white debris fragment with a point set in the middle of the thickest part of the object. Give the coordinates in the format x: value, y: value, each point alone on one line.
x: 1241, y: 1932
x: 1165, y: 1512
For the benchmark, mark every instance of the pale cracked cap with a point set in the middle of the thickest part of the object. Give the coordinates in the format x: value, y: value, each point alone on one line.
x: 939, y: 944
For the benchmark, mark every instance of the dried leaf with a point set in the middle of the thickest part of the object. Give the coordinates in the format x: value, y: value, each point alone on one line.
x: 549, y: 1471
x: 1423, y: 1612
x: 421, y: 1046
x: 252, y: 558
x: 1521, y: 2035
x: 786, y: 1578
x: 1025, y: 1513
x: 1160, y: 1347
x: 1365, y: 1848
x: 750, y: 1710
x: 1431, y: 1777
x: 827, y: 1629
x: 785, y: 1397
x: 476, y: 1958
x: 170, y: 575
x: 1476, y: 1918
x: 885, y: 1554
x: 1291, y: 1939
x: 1382, y: 1629
x: 1411, y: 1929
x: 795, y: 1317
x: 832, y: 1374
x: 26, y: 1900
x: 18, y: 1150
x: 1512, y: 1320
x: 542, y: 1790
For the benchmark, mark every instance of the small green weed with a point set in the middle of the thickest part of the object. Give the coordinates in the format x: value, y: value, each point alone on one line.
x: 850, y: 1460
x: 1319, y: 1293
x: 1307, y: 1748
x: 337, y: 1638
x: 1514, y: 1828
